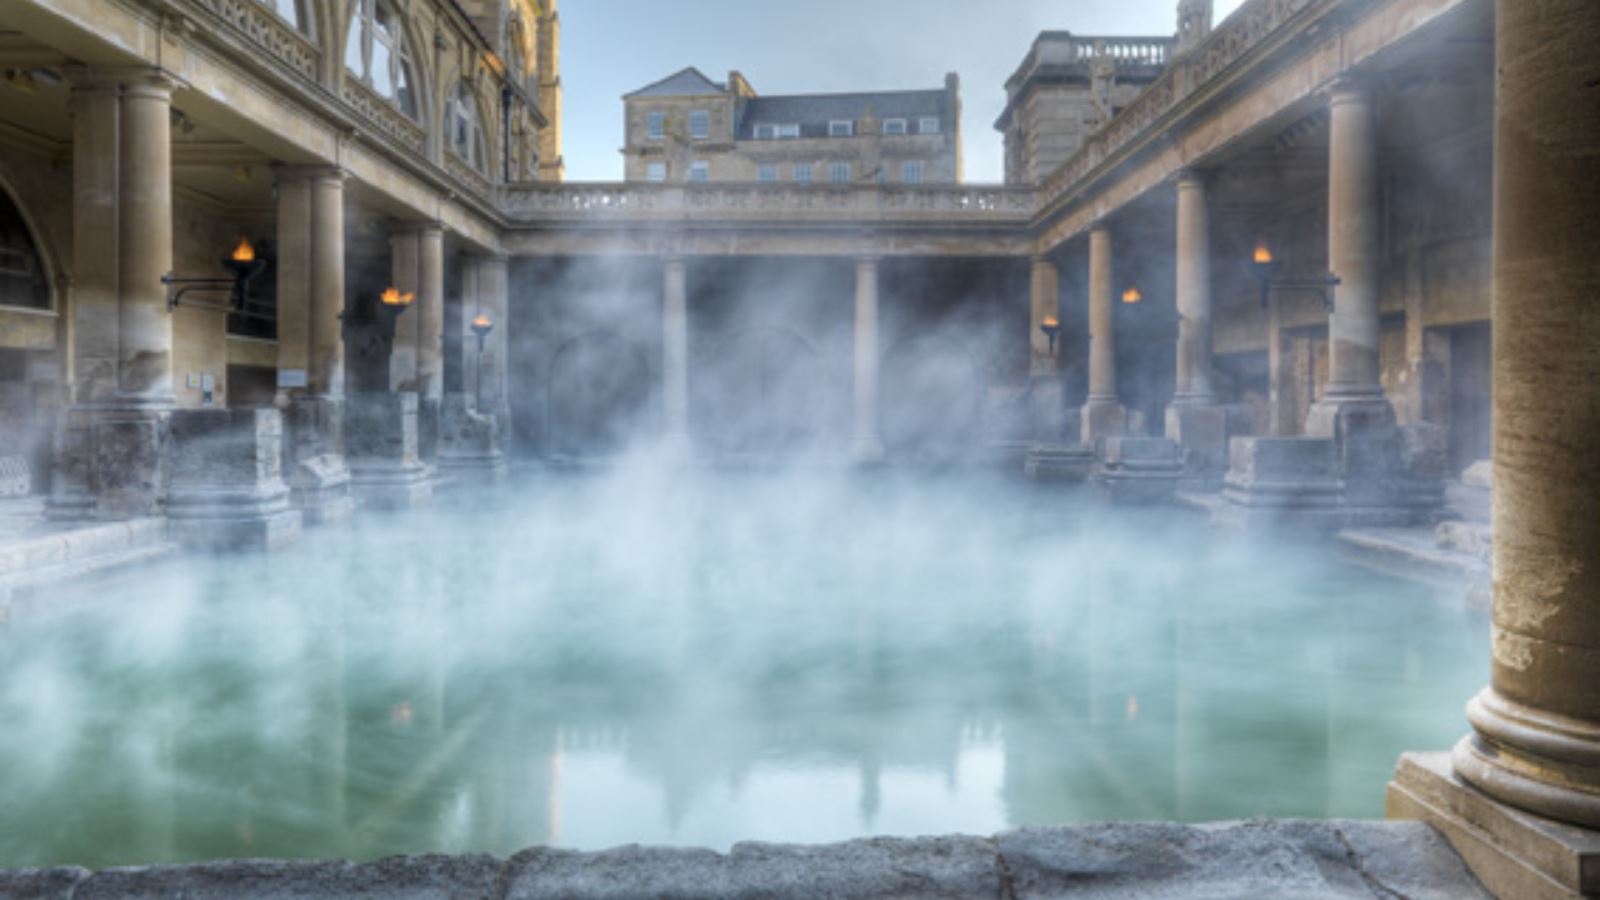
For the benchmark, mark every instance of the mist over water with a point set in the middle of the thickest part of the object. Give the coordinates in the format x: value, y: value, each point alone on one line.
x: 667, y: 656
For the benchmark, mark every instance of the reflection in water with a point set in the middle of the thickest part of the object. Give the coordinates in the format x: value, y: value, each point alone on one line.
x: 595, y: 661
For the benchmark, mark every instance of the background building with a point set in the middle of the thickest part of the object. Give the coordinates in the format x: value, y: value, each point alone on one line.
x: 689, y: 128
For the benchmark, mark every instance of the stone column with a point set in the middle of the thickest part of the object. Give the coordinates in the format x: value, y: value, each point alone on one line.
x: 404, y: 258
x: 1353, y: 397
x: 1046, y: 389
x: 310, y: 340
x: 429, y: 315
x: 1103, y: 415
x: 866, y: 445
x: 1194, y: 419
x: 111, y: 451
x: 494, y: 287
x: 675, y: 353
x: 1532, y: 764
x: 470, y: 438
x: 1537, y: 740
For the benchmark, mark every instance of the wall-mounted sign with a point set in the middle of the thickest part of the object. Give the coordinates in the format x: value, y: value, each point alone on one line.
x: 292, y: 378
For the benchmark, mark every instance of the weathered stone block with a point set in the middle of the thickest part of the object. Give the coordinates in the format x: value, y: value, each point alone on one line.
x: 319, y: 478
x: 16, y: 480
x: 381, y: 449
x: 1202, y: 431
x: 1047, y: 409
x: 469, y: 443
x: 1101, y: 419
x: 227, y: 490
x: 1139, y: 469
x: 1059, y: 463
x: 1273, y: 482
x: 405, y: 878
x: 127, y: 462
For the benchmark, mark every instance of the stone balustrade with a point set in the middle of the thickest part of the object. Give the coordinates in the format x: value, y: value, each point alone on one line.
x: 867, y: 204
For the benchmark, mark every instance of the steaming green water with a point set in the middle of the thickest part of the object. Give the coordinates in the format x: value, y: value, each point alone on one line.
x: 587, y: 662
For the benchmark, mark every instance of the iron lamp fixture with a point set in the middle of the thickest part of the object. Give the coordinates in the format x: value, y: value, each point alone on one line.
x: 1265, y: 267
x: 244, y: 266
x: 481, y: 326
x: 1051, y: 327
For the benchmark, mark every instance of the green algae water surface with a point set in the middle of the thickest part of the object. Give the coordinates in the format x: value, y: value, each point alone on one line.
x: 653, y: 657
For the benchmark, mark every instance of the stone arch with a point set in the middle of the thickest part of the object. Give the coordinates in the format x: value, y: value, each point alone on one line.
x: 49, y: 261
x: 427, y: 100
x: 930, y: 397
x: 761, y: 390
x: 598, y: 394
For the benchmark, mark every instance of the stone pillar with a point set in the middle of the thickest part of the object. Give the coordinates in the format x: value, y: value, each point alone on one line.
x: 404, y: 258
x: 1353, y: 397
x: 1533, y: 760
x: 470, y: 436
x: 1194, y: 419
x: 227, y: 490
x: 310, y: 342
x: 494, y: 287
x: 1103, y: 415
x: 866, y: 446
x: 1046, y: 389
x: 429, y: 317
x: 110, y: 454
x: 1537, y: 741
x: 675, y: 353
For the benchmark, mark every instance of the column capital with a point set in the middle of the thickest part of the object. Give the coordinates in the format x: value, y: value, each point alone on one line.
x: 1192, y: 178
x: 101, y: 78
x: 284, y: 173
x: 1042, y: 259
x: 868, y: 259
x: 1347, y: 89
x: 422, y: 228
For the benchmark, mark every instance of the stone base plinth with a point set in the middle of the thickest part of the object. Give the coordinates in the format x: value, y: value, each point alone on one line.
x: 227, y: 490
x: 1138, y: 469
x: 1201, y: 429
x: 1047, y: 409
x: 1058, y: 463
x: 469, y: 445
x: 1278, y: 482
x: 110, y: 463
x: 381, y: 451
x: 1514, y: 854
x: 1102, y: 418
x: 319, y: 479
x: 1337, y: 415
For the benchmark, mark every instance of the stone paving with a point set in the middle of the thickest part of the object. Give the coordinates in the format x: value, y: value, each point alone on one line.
x: 1304, y: 860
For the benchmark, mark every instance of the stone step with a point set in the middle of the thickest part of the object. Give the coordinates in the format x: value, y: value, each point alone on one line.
x: 73, y: 552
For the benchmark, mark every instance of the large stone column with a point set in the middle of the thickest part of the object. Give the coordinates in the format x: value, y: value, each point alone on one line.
x: 1194, y: 419
x: 866, y: 445
x: 1103, y: 415
x: 494, y: 287
x: 310, y: 343
x: 675, y: 353
x: 111, y: 450
x: 1533, y: 759
x: 430, y: 337
x: 470, y: 437
x: 404, y: 259
x: 1046, y: 390
x: 1353, y: 398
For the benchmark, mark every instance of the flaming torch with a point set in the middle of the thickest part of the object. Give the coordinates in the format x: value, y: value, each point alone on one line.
x: 1051, y: 326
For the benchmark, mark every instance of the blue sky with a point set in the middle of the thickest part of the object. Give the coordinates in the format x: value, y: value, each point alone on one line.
x: 611, y: 47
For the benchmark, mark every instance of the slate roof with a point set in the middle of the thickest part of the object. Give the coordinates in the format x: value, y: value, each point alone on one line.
x: 690, y: 82
x: 818, y: 109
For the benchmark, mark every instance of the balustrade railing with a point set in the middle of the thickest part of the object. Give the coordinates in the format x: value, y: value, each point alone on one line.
x: 578, y: 202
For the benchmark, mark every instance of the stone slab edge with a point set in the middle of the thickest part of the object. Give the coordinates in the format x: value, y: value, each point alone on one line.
x: 1312, y: 860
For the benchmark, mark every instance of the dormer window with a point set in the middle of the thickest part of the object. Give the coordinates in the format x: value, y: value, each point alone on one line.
x: 766, y: 132
x: 894, y: 126
x: 841, y: 128
x: 928, y: 125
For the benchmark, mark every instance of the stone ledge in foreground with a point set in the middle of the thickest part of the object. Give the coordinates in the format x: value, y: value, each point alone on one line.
x: 1306, y: 860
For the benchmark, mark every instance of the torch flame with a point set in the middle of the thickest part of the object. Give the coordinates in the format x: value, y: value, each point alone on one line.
x: 1263, y: 254
x: 1052, y: 322
x: 393, y: 297
x: 1132, y: 295
x: 482, y: 321
x: 244, y: 252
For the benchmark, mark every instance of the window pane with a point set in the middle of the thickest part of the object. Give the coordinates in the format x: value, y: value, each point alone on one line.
x: 382, y: 76
x: 894, y: 126
x: 928, y: 125
x: 352, y: 47
x: 802, y: 172
x: 658, y: 124
x: 656, y: 171
x: 387, y: 26
x: 839, y: 172
x: 700, y: 171
x: 911, y: 172
x: 767, y: 173
x: 699, y: 124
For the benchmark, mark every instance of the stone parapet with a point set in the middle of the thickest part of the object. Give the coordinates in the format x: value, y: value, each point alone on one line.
x: 227, y: 490
x: 1335, y: 860
x: 381, y: 449
x: 1059, y: 463
x: 1138, y: 469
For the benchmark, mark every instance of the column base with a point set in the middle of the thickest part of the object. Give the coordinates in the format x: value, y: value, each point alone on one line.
x: 469, y: 443
x: 1514, y: 853
x: 1339, y: 414
x: 319, y: 479
x: 1200, y: 427
x: 1544, y: 763
x: 1274, y: 483
x: 1058, y: 463
x: 1138, y: 470
x: 867, y: 450
x: 1102, y: 418
x: 1047, y: 409
x: 112, y: 462
x: 381, y: 448
x: 227, y: 492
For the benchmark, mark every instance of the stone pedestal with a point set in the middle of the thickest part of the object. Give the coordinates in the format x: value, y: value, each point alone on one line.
x: 1047, y: 409
x: 1138, y: 469
x: 381, y: 449
x: 1280, y: 482
x: 1515, y: 853
x: 227, y: 490
x: 1201, y: 429
x: 1102, y: 418
x: 1059, y: 463
x: 469, y: 443
x: 319, y: 479
x: 127, y: 461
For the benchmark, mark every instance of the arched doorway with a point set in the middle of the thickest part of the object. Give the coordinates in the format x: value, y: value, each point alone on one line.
x: 30, y: 371
x: 760, y: 392
x: 931, y: 398
x: 599, y: 395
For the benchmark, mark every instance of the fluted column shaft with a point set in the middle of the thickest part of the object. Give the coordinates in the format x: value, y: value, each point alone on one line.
x: 1537, y: 728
